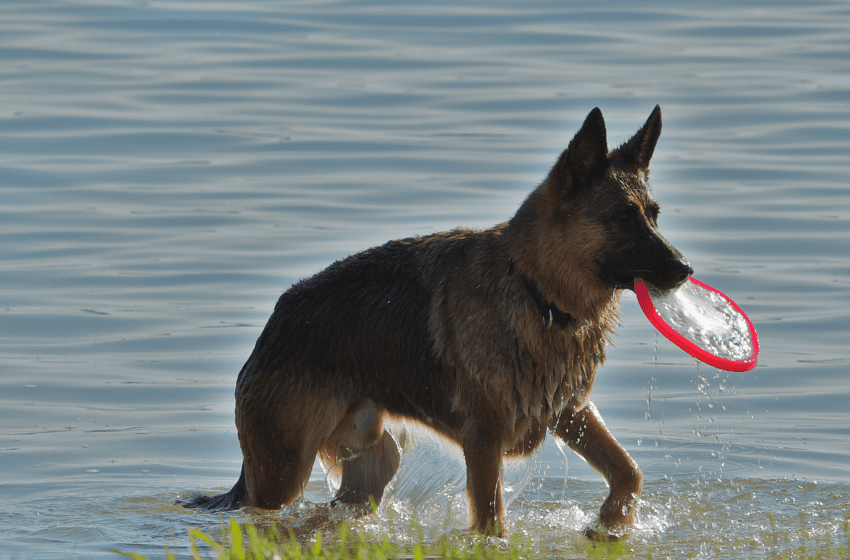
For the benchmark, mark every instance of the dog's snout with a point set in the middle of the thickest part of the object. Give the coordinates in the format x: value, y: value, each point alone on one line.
x: 671, y: 270
x: 678, y: 269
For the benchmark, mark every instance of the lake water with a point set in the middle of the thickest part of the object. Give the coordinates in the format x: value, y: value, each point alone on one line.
x: 168, y: 169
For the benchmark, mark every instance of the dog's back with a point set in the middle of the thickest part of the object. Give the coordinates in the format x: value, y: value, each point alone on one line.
x: 356, y: 326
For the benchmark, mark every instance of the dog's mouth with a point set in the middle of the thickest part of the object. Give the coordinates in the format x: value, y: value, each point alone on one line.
x: 622, y: 281
x: 672, y: 276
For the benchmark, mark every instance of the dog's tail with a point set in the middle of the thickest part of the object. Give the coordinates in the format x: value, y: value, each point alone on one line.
x: 222, y: 502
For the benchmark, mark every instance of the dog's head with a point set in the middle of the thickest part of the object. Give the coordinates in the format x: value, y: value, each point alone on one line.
x: 599, y: 208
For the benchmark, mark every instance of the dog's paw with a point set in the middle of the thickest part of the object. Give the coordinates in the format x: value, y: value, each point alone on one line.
x: 354, y: 509
x: 598, y: 533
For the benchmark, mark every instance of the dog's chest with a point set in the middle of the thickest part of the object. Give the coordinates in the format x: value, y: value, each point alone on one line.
x: 560, y: 367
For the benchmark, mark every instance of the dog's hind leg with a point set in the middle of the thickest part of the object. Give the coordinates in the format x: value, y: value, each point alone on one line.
x: 279, y: 446
x: 366, y: 475
x: 586, y: 434
x: 365, y: 453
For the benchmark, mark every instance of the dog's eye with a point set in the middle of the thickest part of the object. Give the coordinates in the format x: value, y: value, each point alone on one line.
x: 625, y: 215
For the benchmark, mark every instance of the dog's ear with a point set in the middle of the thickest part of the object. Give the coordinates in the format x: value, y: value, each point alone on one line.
x: 587, y: 154
x: 638, y: 149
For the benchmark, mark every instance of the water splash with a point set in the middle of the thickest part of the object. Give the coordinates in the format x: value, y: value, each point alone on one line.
x: 431, y: 476
x: 430, y: 482
x: 563, y: 448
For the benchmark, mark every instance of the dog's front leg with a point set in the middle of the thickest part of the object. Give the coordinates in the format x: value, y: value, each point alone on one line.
x: 586, y: 434
x: 482, y: 449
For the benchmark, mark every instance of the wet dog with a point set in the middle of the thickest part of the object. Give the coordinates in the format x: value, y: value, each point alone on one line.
x: 491, y: 338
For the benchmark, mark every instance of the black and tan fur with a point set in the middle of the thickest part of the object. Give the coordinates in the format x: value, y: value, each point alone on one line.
x: 489, y: 337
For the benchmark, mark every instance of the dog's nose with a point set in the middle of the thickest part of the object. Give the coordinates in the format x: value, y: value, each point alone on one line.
x: 678, y: 272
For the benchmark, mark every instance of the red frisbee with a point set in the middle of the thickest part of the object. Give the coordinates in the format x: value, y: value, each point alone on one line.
x: 703, y: 322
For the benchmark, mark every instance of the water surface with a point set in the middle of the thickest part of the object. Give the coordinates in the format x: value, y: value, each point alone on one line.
x: 167, y: 170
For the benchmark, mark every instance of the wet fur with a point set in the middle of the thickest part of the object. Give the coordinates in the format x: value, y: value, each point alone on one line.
x: 491, y: 338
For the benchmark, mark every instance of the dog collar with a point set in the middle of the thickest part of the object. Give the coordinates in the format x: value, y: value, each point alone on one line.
x: 549, y: 310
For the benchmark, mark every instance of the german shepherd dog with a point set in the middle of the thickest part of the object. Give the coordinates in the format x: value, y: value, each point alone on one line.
x: 487, y: 337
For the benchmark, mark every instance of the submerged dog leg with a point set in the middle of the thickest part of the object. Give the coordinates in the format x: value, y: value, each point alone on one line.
x: 586, y: 434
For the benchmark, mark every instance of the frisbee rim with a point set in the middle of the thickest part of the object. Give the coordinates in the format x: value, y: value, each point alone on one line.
x: 648, y: 308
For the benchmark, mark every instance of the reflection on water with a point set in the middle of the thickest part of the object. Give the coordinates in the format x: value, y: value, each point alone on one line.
x: 167, y: 170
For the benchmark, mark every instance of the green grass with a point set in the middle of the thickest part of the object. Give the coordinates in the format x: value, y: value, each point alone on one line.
x: 247, y: 542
